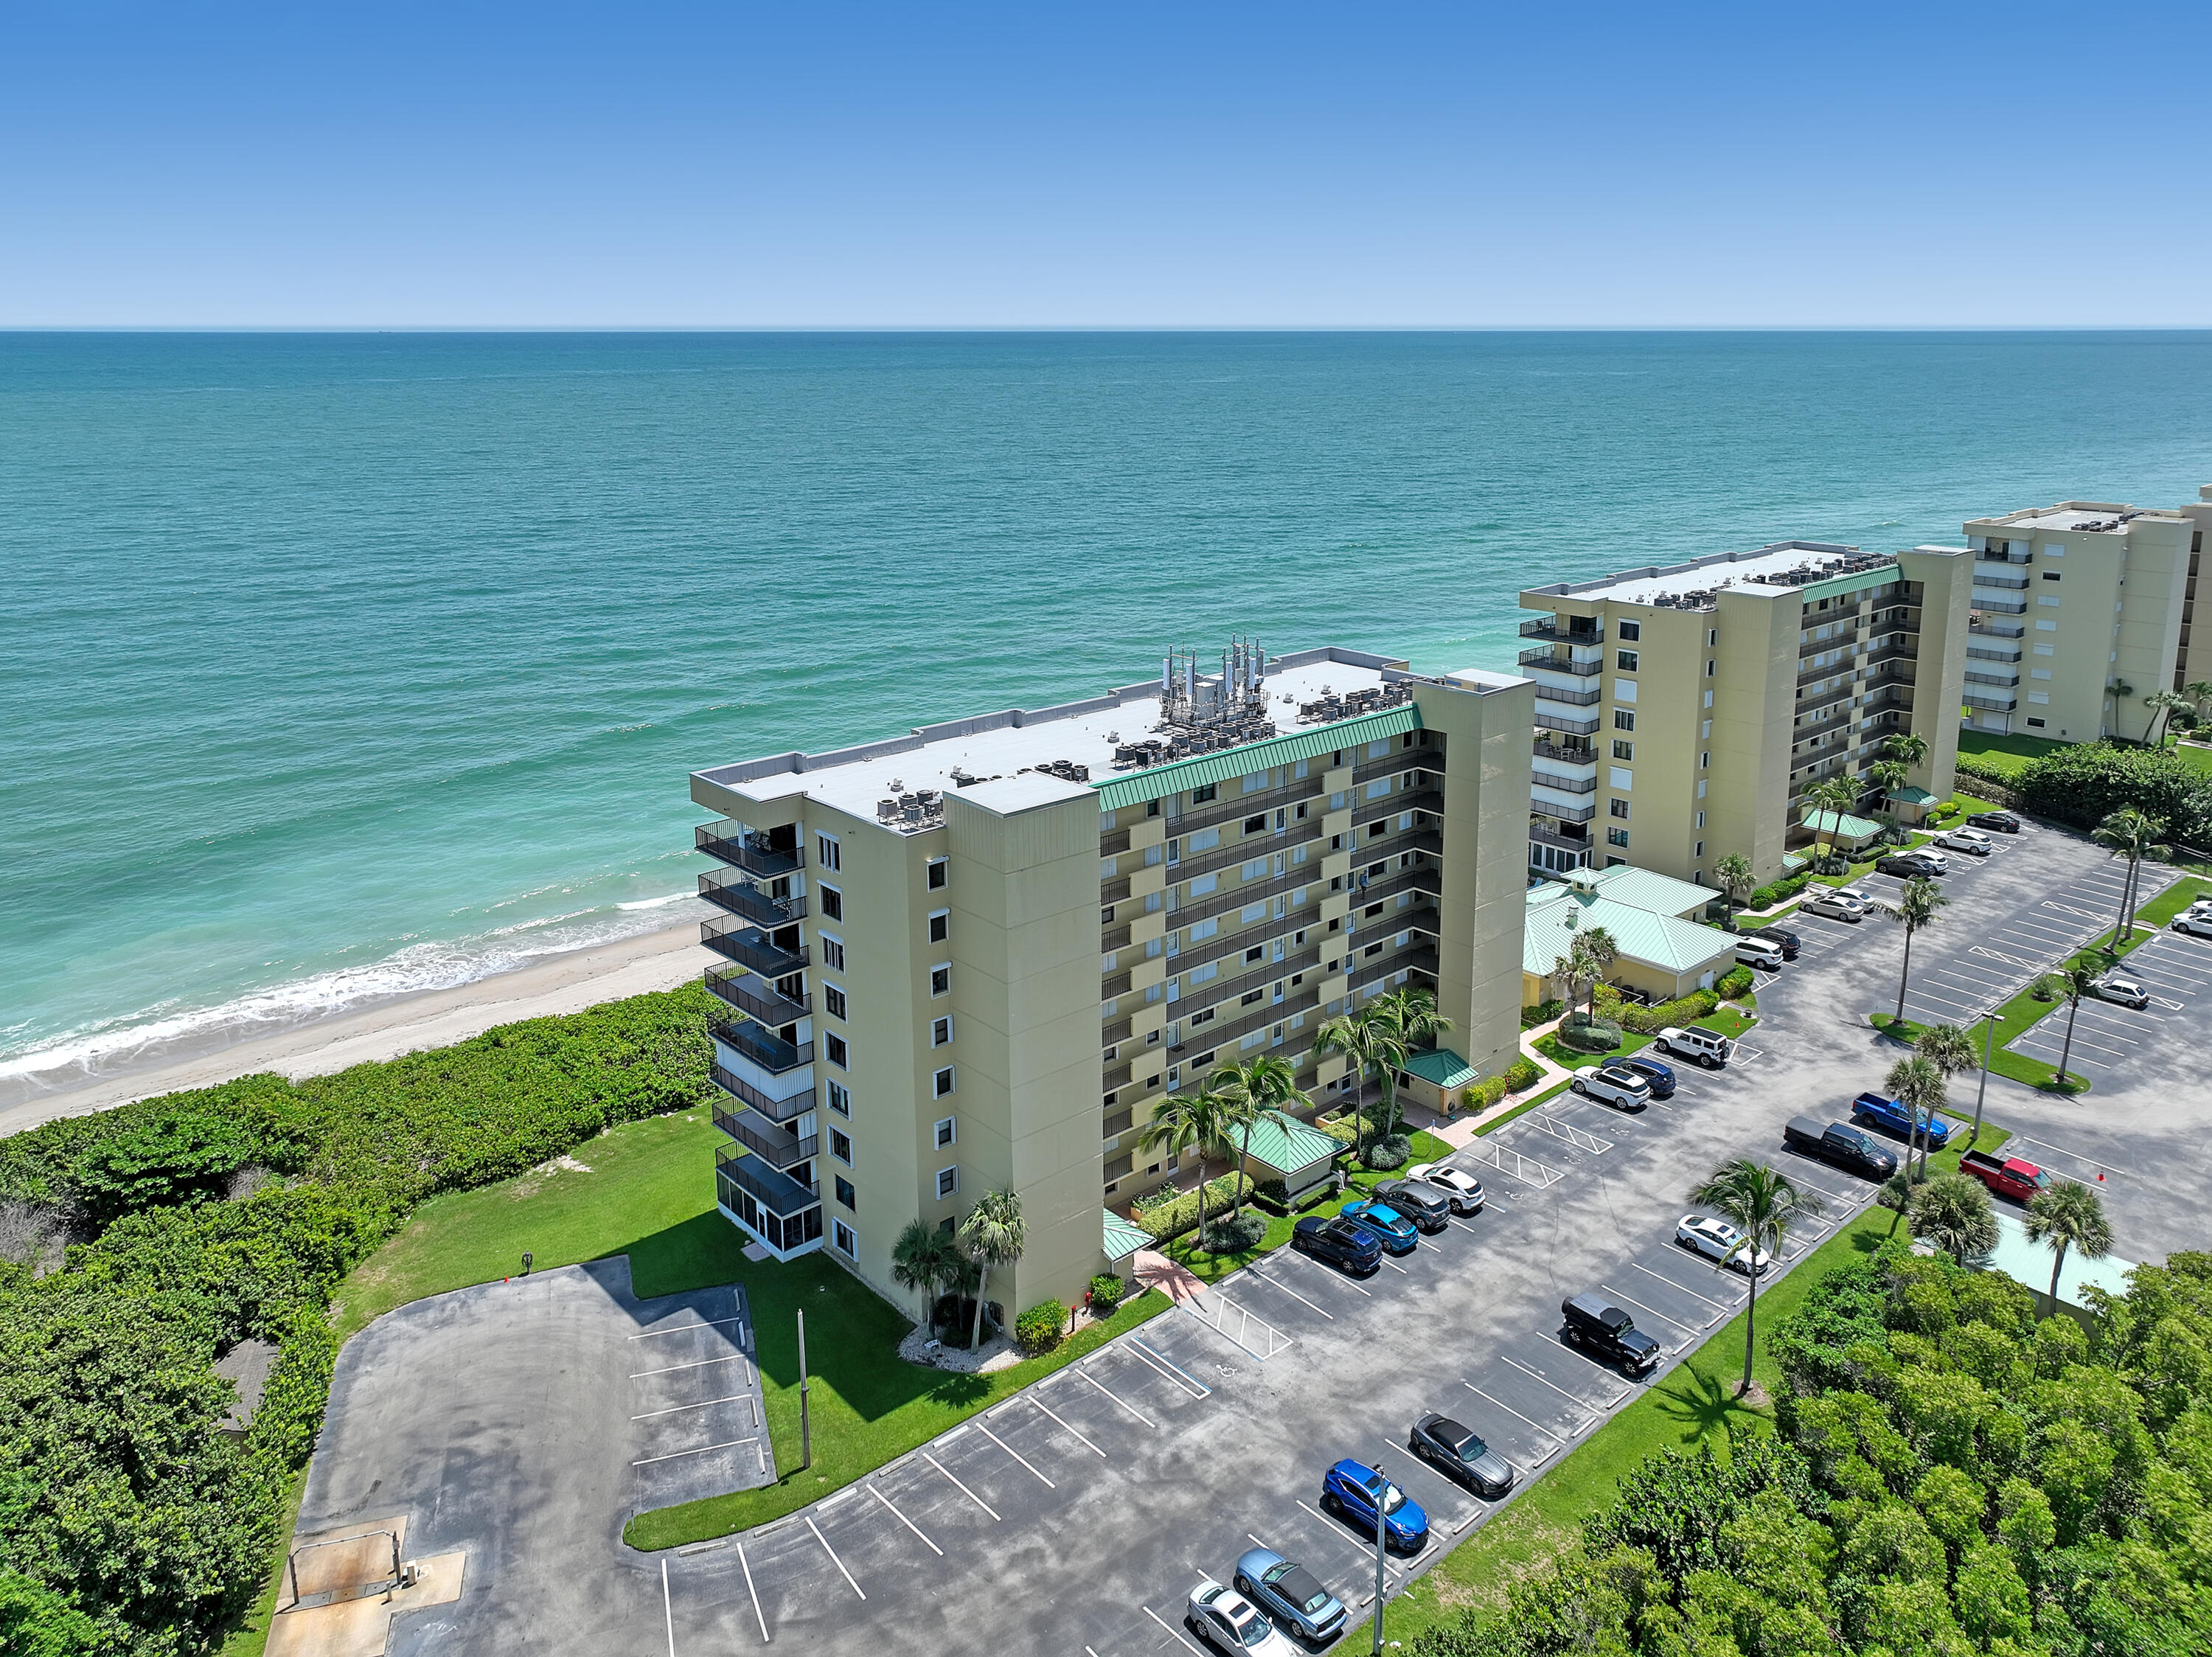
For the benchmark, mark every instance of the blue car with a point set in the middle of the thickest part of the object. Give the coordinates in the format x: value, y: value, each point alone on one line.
x: 1893, y: 1118
x: 1399, y: 1235
x: 1660, y: 1078
x: 1293, y: 1593
x: 1351, y: 1490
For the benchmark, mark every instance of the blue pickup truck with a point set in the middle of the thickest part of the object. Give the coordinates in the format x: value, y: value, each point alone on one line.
x: 1892, y: 1117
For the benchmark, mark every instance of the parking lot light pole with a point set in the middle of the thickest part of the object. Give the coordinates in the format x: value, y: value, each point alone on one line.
x: 805, y: 1427
x: 1382, y: 1500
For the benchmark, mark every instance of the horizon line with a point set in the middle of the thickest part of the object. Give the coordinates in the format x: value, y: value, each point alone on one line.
x: 1093, y: 327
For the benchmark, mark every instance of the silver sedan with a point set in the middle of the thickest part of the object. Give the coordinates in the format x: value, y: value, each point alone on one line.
x: 1228, y: 1621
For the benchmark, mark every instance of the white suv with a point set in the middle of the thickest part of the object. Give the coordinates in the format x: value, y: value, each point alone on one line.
x: 1707, y: 1048
x: 1972, y: 841
x: 1613, y: 1085
x: 1758, y: 952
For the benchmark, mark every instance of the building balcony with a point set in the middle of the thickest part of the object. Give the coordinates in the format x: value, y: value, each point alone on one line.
x: 1565, y: 784
x: 1399, y: 760
x: 1997, y: 555
x: 757, y: 998
x: 750, y: 947
x: 762, y: 1046
x: 1983, y: 676
x: 1570, y: 724
x: 1240, y: 897
x: 1545, y: 748
x: 1251, y: 805
x: 1557, y: 693
x: 749, y: 852
x: 1834, y: 670
x: 1590, y: 632
x: 740, y: 896
x: 1985, y: 577
x: 2003, y: 606
x: 1992, y: 653
x: 1112, y: 1035
x: 1545, y: 661
x: 1809, y: 732
x: 1541, y: 836
x: 789, y: 1108
x: 775, y: 1191
x: 1229, y: 854
x: 1990, y: 627
x: 771, y: 1144
x: 1113, y: 845
x: 1114, y: 891
x: 1392, y: 804
x: 1113, y: 938
x: 1559, y: 811
x: 1993, y: 700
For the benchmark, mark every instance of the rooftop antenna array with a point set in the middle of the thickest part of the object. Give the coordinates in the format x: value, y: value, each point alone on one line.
x: 1205, y: 705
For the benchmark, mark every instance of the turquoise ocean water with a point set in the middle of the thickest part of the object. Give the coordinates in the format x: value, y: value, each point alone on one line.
x: 336, y: 666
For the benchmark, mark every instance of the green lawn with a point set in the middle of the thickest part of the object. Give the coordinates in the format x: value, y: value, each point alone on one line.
x: 1726, y: 1020
x: 1556, y: 1051
x: 2006, y: 755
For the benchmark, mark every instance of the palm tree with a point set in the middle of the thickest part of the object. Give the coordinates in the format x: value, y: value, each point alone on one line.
x: 1952, y: 1211
x: 2072, y: 981
x: 924, y: 1259
x: 1952, y: 1052
x: 992, y: 1234
x: 2068, y: 1215
x: 1906, y: 747
x: 2129, y: 833
x: 1915, y: 908
x: 1181, y: 1121
x: 1371, y: 1040
x: 2199, y: 693
x: 2162, y: 704
x: 1597, y: 951
x: 1567, y: 971
x: 1917, y: 1084
x: 1896, y: 1196
x: 1733, y: 875
x: 1262, y: 1089
x: 1764, y: 1206
x: 1832, y: 797
x: 1888, y: 776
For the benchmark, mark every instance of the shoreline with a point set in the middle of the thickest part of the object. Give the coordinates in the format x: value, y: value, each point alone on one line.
x: 567, y: 982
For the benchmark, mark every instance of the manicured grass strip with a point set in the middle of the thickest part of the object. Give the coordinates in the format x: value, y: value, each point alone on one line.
x: 1727, y: 1020
x: 2006, y: 755
x: 1559, y: 1053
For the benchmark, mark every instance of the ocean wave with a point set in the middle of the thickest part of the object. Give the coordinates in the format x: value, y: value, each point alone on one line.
x: 140, y: 1037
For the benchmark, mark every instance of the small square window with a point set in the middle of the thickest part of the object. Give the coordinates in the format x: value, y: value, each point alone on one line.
x: 1615, y: 837
x: 940, y: 1031
x: 846, y: 1194
x: 1623, y: 750
x: 1623, y: 720
x: 849, y: 1243
x: 1257, y: 825
x: 840, y: 1099
x: 942, y: 1081
x: 1616, y: 807
x: 835, y: 1050
x: 940, y: 926
x: 833, y: 954
x: 1632, y: 630
x: 1200, y: 796
x: 1624, y: 660
x: 947, y: 1131
x: 948, y: 1183
x: 940, y: 980
x: 940, y: 872
x: 833, y: 903
x: 841, y: 1146
x: 832, y: 1001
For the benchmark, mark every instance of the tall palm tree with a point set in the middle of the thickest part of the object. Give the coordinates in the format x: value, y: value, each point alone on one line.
x: 993, y: 1234
x: 1888, y: 776
x: 924, y: 1259
x: 2129, y: 833
x: 1733, y: 875
x: 1952, y: 1211
x: 1567, y: 971
x: 1952, y: 1052
x: 1832, y: 797
x: 1761, y: 1203
x: 2072, y: 981
x: 1906, y: 747
x: 2199, y: 693
x: 1183, y: 1120
x: 2068, y: 1215
x: 1597, y: 951
x: 1916, y: 1083
x: 1371, y: 1040
x: 1915, y: 907
x: 2162, y: 704
x: 1260, y: 1090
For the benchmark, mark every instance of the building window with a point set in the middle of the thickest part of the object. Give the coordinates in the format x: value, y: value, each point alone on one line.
x: 1709, y: 670
x: 942, y: 1081
x: 1200, y: 796
x: 940, y: 980
x: 1705, y: 759
x: 832, y: 1001
x: 841, y: 1146
x: 1623, y: 720
x: 1632, y: 630
x: 1701, y: 819
x: 1624, y: 660
x: 940, y: 926
x: 1709, y: 699
x: 948, y: 1183
x: 848, y: 1243
x: 2036, y: 723
x: 1615, y: 837
x: 827, y: 849
x: 947, y: 1131
x: 940, y: 871
x: 833, y: 953
x: 2050, y: 575
x: 833, y: 903
x: 1623, y: 750
x: 940, y: 1031
x: 1712, y: 638
x: 846, y: 1194
x: 1701, y: 851
x: 1257, y: 825
x: 840, y: 1099
x: 1616, y: 807
x: 1621, y: 778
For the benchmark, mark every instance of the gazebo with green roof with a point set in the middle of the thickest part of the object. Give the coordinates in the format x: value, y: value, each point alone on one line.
x: 1294, y: 1152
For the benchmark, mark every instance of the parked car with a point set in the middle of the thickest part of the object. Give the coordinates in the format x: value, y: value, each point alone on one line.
x: 1707, y: 1047
x: 1227, y: 1621
x: 2196, y: 922
x: 1996, y: 822
x: 2125, y: 992
x: 1344, y: 1244
x: 1834, y: 902
x: 1972, y: 841
x: 1352, y: 1492
x: 1289, y: 1591
x: 2005, y: 1176
x: 1781, y: 937
x: 1608, y: 1333
x: 1426, y: 1206
x: 1399, y: 1234
x: 1906, y: 865
x: 1657, y: 1076
x: 1717, y: 1239
x: 1612, y: 1084
x: 1759, y: 951
x: 1463, y: 1188
x: 1840, y: 1144
x: 1892, y: 1117
x: 1460, y: 1454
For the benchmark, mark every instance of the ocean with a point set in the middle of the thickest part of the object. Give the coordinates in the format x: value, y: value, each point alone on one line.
x: 340, y: 665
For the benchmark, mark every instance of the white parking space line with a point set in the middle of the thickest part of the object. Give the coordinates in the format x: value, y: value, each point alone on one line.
x: 957, y: 1485
x: 667, y: 1605
x: 678, y: 1329
x: 1580, y: 1403
x: 1818, y: 1191
x: 701, y: 1450
x: 1085, y: 1442
x: 1718, y: 1306
x: 2109, y: 1168
x: 1253, y: 1271
x: 1150, y: 1613
x: 905, y: 1520
x: 1470, y: 1230
x: 832, y: 1552
x: 1395, y: 1267
x: 678, y: 1409
x: 1154, y: 1361
x: 1015, y: 1454
x: 1085, y: 1375
x: 753, y: 1594
x: 1556, y: 1440
x: 1677, y: 1320
x: 1336, y: 1532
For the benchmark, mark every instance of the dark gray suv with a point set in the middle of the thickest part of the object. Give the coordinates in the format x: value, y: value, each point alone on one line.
x: 1608, y: 1334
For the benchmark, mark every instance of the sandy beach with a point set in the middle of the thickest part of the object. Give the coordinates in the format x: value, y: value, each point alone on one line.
x: 659, y: 959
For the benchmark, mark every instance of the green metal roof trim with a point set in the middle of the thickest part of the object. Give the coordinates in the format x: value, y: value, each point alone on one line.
x: 1288, y: 1149
x: 1643, y: 888
x: 1155, y: 782
x: 1123, y: 1237
x: 1659, y: 940
x: 1443, y: 1068
x: 1912, y: 797
x: 1794, y: 860
x: 1850, y: 827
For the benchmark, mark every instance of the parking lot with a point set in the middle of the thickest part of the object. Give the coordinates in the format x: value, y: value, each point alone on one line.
x: 2175, y: 970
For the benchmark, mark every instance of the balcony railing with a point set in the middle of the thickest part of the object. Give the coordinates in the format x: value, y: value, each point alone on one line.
x: 1390, y: 805
x: 749, y: 947
x: 1997, y: 628
x: 1808, y: 733
x: 1113, y: 845
x: 1221, y: 992
x: 1550, y: 663
x: 1114, y: 1034
x: 1980, y: 653
x: 773, y: 1189
x: 788, y: 1109
x: 2003, y: 704
x: 1560, y: 813
x: 1245, y: 850
x: 1547, y: 627
x: 1572, y: 698
x: 755, y: 997
x: 1564, y: 784
x: 1251, y: 891
x: 1112, y: 892
x: 1984, y: 576
x: 1113, y: 938
x: 749, y: 852
x: 1572, y: 724
x: 1982, y: 676
x: 1401, y: 759
x: 737, y: 894
x: 1545, y: 748
x: 781, y: 1148
x: 764, y: 1047
x: 1544, y: 837
x: 2001, y: 606
x: 1213, y: 1037
x: 1246, y: 805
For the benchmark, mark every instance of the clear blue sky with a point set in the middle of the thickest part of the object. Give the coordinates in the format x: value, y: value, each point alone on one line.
x: 1133, y: 165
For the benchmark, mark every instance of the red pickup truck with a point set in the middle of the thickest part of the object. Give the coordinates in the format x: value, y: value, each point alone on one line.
x: 2006, y: 1175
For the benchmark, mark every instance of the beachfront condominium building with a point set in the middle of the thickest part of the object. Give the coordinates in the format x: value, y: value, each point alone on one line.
x: 2098, y: 595
x: 978, y: 955
x: 1680, y: 713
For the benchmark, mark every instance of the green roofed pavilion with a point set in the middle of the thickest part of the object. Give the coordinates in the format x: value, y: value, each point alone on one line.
x: 1443, y: 1068
x: 1123, y: 1237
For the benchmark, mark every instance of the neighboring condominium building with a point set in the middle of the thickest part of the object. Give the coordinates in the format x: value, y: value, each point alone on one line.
x: 2098, y: 593
x: 1681, y: 712
x: 976, y: 956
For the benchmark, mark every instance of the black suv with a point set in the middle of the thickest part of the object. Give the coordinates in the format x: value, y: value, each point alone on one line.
x: 1425, y: 1206
x: 1996, y: 822
x: 1608, y: 1334
x: 1907, y: 864
x: 1344, y: 1244
x: 1657, y: 1076
x: 1780, y: 937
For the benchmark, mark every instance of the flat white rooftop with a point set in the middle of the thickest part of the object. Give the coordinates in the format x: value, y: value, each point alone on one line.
x: 1777, y: 568
x: 2078, y: 514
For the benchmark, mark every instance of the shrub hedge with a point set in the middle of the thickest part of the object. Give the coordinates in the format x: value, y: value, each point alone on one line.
x: 1781, y: 891
x: 1391, y: 1151
x: 1650, y: 1020
x: 1733, y: 983
x: 2086, y: 782
x: 1106, y: 1293
x: 1522, y: 1074
x: 1173, y: 1218
x: 1039, y: 1330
